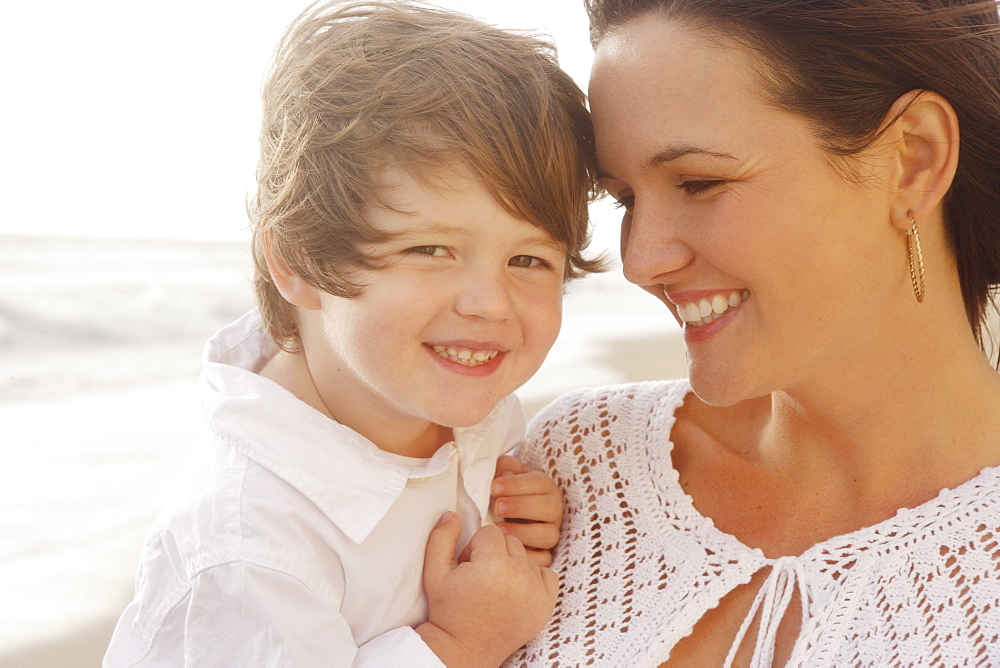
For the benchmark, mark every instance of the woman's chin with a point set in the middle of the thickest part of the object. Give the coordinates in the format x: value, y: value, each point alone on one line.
x: 721, y: 388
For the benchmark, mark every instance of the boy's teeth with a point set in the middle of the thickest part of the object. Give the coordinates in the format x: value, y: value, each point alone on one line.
x: 465, y: 355
x: 704, y: 311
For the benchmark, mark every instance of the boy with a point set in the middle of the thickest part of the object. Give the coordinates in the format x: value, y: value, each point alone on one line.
x: 422, y: 198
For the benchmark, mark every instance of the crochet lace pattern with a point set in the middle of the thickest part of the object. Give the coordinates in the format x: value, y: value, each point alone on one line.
x: 639, y: 566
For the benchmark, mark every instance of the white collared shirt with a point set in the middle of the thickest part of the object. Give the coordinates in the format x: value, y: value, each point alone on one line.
x: 292, y: 540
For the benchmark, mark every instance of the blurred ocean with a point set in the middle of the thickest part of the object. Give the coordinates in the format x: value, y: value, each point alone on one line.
x: 84, y: 314
x: 100, y: 344
x: 99, y: 355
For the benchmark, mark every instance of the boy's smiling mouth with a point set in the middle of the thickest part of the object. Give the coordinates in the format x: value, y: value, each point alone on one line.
x: 465, y: 356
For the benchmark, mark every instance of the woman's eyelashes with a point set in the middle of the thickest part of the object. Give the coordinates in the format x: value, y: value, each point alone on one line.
x: 691, y: 187
x: 624, y: 202
x: 698, y: 186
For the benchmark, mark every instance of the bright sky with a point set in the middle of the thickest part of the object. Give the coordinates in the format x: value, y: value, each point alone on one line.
x: 139, y: 119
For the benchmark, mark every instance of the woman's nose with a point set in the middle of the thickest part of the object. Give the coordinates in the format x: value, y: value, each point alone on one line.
x: 651, y: 246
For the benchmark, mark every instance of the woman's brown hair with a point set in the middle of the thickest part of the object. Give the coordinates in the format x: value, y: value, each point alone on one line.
x: 842, y: 63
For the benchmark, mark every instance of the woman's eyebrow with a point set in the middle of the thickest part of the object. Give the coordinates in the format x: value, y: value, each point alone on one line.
x: 676, y: 151
x: 671, y: 153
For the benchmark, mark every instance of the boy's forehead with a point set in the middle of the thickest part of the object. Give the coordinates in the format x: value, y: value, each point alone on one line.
x: 395, y: 177
x: 446, y: 199
x: 427, y: 190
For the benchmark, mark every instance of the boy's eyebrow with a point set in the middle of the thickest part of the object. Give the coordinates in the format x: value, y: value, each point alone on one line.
x: 542, y: 238
x: 674, y: 152
x: 547, y: 241
x: 433, y: 228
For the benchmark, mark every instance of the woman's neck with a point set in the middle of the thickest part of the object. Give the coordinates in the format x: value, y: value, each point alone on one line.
x: 929, y: 407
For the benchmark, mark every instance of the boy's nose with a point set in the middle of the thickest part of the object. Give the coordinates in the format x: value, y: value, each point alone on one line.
x: 484, y: 296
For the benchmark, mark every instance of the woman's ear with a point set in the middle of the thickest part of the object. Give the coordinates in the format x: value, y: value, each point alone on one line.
x: 292, y: 287
x: 923, y: 138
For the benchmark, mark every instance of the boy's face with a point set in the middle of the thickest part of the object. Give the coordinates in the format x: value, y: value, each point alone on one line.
x: 464, y: 312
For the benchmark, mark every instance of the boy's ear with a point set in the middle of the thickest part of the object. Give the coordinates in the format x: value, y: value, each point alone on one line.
x: 291, y: 286
x: 924, y: 144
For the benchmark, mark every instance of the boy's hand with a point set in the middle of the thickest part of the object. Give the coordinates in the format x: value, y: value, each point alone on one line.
x: 532, y: 504
x: 481, y: 610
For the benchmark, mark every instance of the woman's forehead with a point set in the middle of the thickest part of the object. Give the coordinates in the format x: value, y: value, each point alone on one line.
x: 658, y: 83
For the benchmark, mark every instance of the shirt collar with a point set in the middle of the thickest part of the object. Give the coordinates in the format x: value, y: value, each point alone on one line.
x: 347, y: 476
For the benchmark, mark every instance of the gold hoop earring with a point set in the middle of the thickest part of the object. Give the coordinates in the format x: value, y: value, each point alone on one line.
x: 916, y: 258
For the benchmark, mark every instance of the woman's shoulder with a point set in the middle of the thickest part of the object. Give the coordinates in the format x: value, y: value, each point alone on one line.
x: 595, y: 420
x: 620, y: 400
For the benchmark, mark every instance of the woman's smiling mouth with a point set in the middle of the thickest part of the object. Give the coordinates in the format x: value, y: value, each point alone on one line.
x: 703, y: 311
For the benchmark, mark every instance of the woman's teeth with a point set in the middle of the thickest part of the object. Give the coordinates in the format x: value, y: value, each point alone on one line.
x: 704, y: 311
x: 465, y: 355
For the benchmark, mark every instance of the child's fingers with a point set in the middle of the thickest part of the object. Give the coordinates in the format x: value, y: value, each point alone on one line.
x: 531, y: 481
x: 439, y: 557
x: 535, y: 507
x: 487, y: 542
x: 535, y: 535
x: 507, y: 465
x: 514, y: 547
x: 541, y: 557
x: 551, y: 581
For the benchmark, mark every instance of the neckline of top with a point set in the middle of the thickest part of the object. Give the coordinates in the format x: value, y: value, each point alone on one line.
x: 877, y: 538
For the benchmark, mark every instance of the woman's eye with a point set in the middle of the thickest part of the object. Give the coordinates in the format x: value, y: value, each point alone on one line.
x: 697, y: 186
x: 526, y: 261
x: 434, y: 251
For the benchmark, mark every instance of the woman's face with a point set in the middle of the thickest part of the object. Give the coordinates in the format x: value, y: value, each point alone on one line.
x: 779, y: 266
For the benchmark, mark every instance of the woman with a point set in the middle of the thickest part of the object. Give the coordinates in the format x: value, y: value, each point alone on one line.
x: 811, y: 187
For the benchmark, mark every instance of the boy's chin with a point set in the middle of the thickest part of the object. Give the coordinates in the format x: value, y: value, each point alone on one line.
x: 468, y: 417
x: 465, y: 421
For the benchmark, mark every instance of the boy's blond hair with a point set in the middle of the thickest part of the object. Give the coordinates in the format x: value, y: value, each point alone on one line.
x: 358, y: 86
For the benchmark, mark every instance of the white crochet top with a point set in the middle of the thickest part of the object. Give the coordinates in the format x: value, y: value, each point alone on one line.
x: 639, y: 566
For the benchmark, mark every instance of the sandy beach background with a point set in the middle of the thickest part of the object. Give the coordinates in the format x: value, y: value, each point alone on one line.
x: 101, y: 344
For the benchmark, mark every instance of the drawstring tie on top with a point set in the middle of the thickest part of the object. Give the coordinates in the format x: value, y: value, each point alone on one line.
x: 772, y: 603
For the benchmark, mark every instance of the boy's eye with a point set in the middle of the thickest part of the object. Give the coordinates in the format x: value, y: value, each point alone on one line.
x: 525, y: 261
x: 435, y: 251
